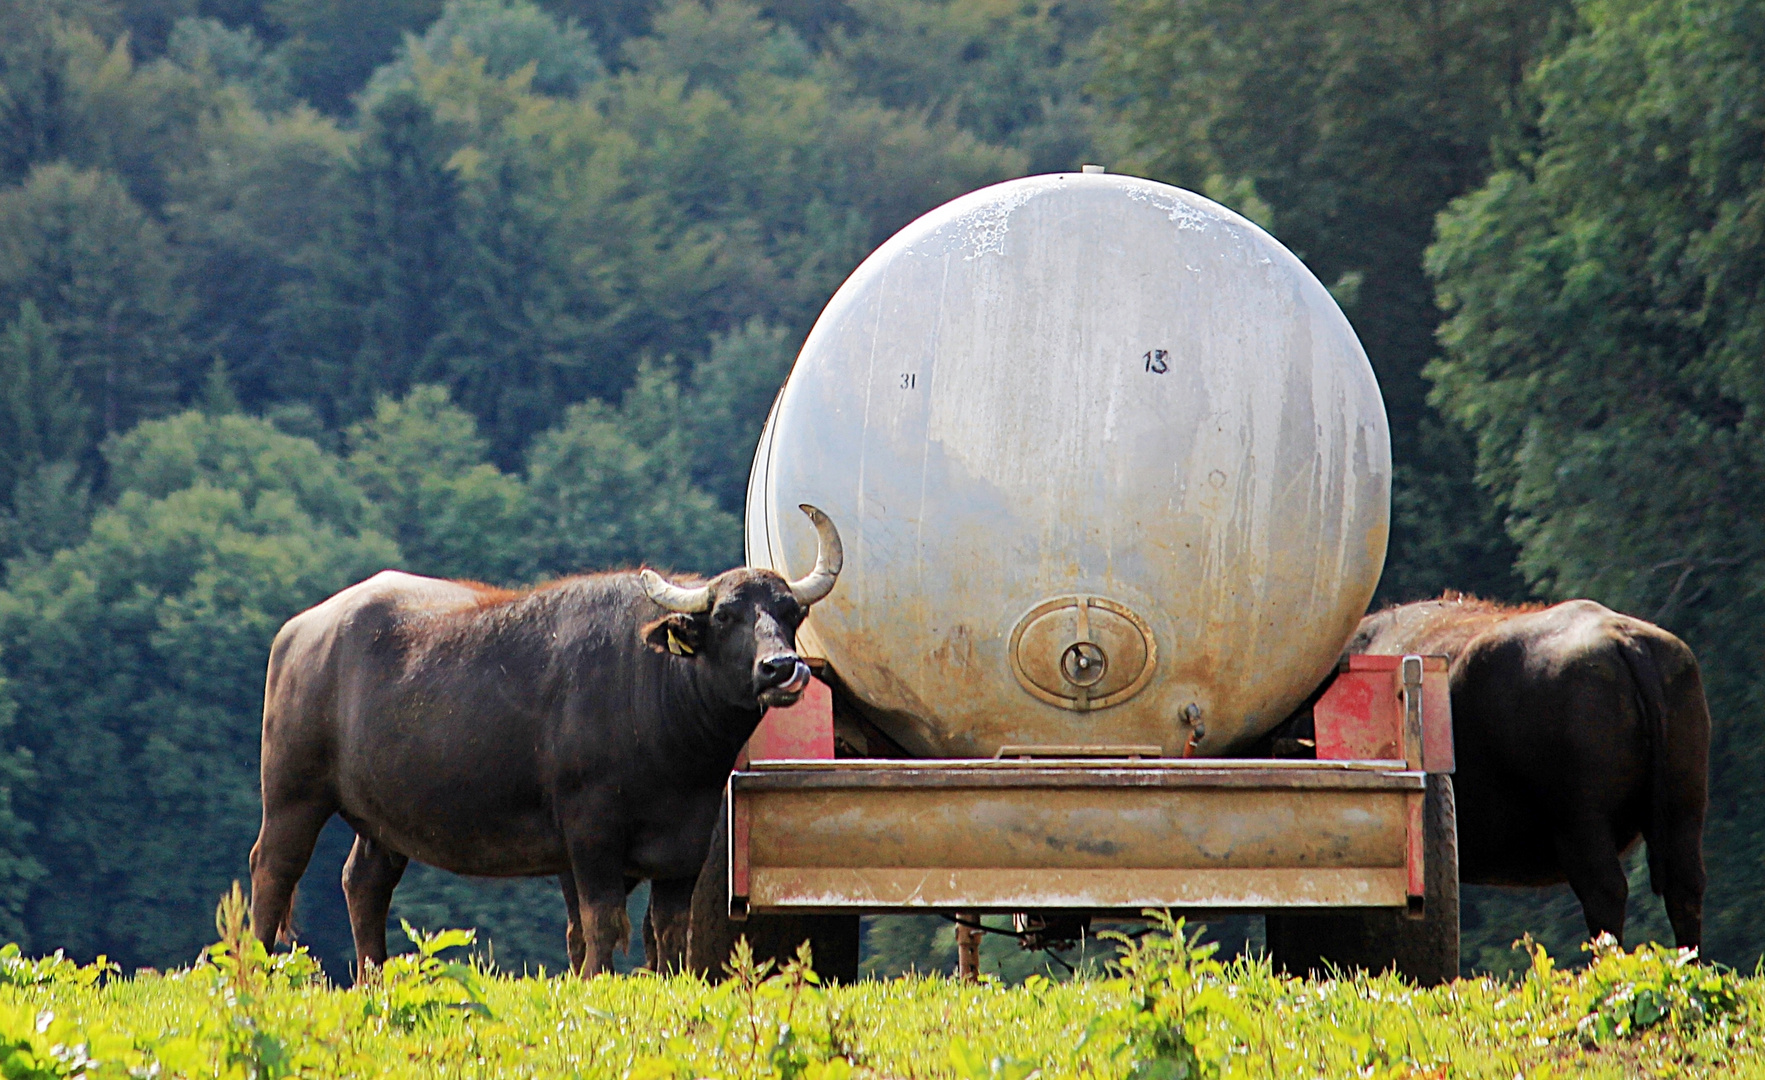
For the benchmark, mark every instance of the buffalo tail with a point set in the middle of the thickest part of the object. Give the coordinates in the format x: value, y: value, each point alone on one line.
x: 1651, y: 701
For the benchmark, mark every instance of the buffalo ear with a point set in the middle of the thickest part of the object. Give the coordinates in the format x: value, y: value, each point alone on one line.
x: 680, y: 635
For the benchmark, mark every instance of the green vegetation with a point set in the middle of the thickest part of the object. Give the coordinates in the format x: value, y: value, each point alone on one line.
x: 1603, y: 348
x: 1170, y: 1010
x: 294, y: 290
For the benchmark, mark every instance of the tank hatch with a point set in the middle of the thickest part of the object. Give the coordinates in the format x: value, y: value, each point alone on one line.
x: 1082, y: 652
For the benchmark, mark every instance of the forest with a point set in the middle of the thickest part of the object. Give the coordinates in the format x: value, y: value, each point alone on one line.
x: 295, y: 290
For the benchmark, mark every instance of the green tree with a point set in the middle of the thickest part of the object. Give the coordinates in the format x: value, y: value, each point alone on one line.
x: 402, y: 262
x: 613, y: 487
x: 1012, y: 74
x: 19, y: 869
x: 508, y: 35
x: 33, y: 83
x: 1355, y: 124
x: 557, y: 264
x: 1604, y: 347
x: 102, y: 110
x: 41, y: 418
x: 333, y: 46
x: 422, y: 463
x: 809, y: 179
x: 100, y: 271
x: 610, y: 23
x: 137, y: 660
x: 250, y: 223
x: 234, y: 56
x: 727, y: 406
x: 43, y: 440
x: 524, y: 249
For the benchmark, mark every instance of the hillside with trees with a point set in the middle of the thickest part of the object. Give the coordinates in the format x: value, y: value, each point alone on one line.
x: 294, y: 290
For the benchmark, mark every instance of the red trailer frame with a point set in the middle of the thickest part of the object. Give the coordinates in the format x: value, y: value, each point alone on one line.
x: 1108, y: 829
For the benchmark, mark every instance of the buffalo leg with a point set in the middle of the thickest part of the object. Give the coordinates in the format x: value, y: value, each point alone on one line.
x: 600, y: 908
x: 1590, y: 862
x: 284, y: 847
x: 572, y: 922
x: 1684, y: 890
x: 605, y: 930
x: 671, y: 906
x: 369, y: 876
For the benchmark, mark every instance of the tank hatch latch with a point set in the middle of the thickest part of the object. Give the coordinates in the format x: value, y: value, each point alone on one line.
x: 1082, y: 652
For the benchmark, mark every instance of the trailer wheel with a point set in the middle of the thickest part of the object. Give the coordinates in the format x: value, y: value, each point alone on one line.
x: 833, y: 939
x: 1424, y: 949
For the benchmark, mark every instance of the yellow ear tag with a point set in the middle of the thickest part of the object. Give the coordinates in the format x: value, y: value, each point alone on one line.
x: 677, y: 646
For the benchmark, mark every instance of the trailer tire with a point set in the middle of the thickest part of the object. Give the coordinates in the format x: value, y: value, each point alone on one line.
x: 712, y: 934
x: 1424, y: 949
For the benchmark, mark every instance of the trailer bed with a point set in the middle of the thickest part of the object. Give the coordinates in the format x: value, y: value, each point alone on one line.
x: 1014, y: 835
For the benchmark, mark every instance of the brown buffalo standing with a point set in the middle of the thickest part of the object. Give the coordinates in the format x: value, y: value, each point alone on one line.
x: 584, y: 729
x: 1577, y: 730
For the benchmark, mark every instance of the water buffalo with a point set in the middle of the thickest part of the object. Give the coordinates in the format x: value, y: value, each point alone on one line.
x: 583, y: 729
x: 1577, y: 730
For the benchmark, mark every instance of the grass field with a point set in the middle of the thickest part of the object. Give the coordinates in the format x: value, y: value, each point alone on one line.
x: 1169, y: 1011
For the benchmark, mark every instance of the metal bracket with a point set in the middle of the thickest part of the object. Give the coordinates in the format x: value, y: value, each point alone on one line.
x: 1412, y: 711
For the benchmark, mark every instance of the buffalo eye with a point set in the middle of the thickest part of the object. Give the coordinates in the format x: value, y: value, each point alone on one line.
x: 723, y: 616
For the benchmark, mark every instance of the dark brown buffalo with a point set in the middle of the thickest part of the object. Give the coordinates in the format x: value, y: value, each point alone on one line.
x: 583, y: 729
x: 1577, y: 730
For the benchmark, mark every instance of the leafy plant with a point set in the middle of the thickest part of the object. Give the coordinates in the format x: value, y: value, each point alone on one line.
x: 1177, y: 1020
x: 19, y: 970
x: 414, y: 990
x: 973, y: 1063
x: 46, y: 1047
x: 1653, y: 988
x: 243, y: 974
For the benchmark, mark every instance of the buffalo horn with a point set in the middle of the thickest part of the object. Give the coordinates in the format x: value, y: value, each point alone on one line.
x: 829, y: 558
x: 672, y: 596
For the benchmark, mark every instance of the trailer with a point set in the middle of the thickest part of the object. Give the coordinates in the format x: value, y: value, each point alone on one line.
x: 1114, y: 475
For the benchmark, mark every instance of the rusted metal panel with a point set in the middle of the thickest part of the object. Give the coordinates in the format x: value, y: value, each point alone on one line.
x: 1365, y: 713
x: 739, y: 870
x: 1284, y: 767
x: 1094, y: 828
x: 1416, y: 858
x: 1437, y: 748
x: 813, y: 889
x: 960, y: 775
x: 1020, y: 836
x: 802, y: 732
x: 1357, y: 718
x: 1101, y: 450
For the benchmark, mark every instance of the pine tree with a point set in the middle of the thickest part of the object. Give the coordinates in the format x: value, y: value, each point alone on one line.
x: 101, y: 274
x: 41, y: 417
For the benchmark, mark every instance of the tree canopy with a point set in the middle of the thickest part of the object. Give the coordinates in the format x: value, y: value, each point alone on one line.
x: 1604, y: 349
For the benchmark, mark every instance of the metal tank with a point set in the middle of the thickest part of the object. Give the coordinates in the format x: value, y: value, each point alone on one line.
x: 1111, y: 468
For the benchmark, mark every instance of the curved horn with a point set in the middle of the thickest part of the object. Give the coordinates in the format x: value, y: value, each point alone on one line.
x: 829, y: 558
x: 672, y: 596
